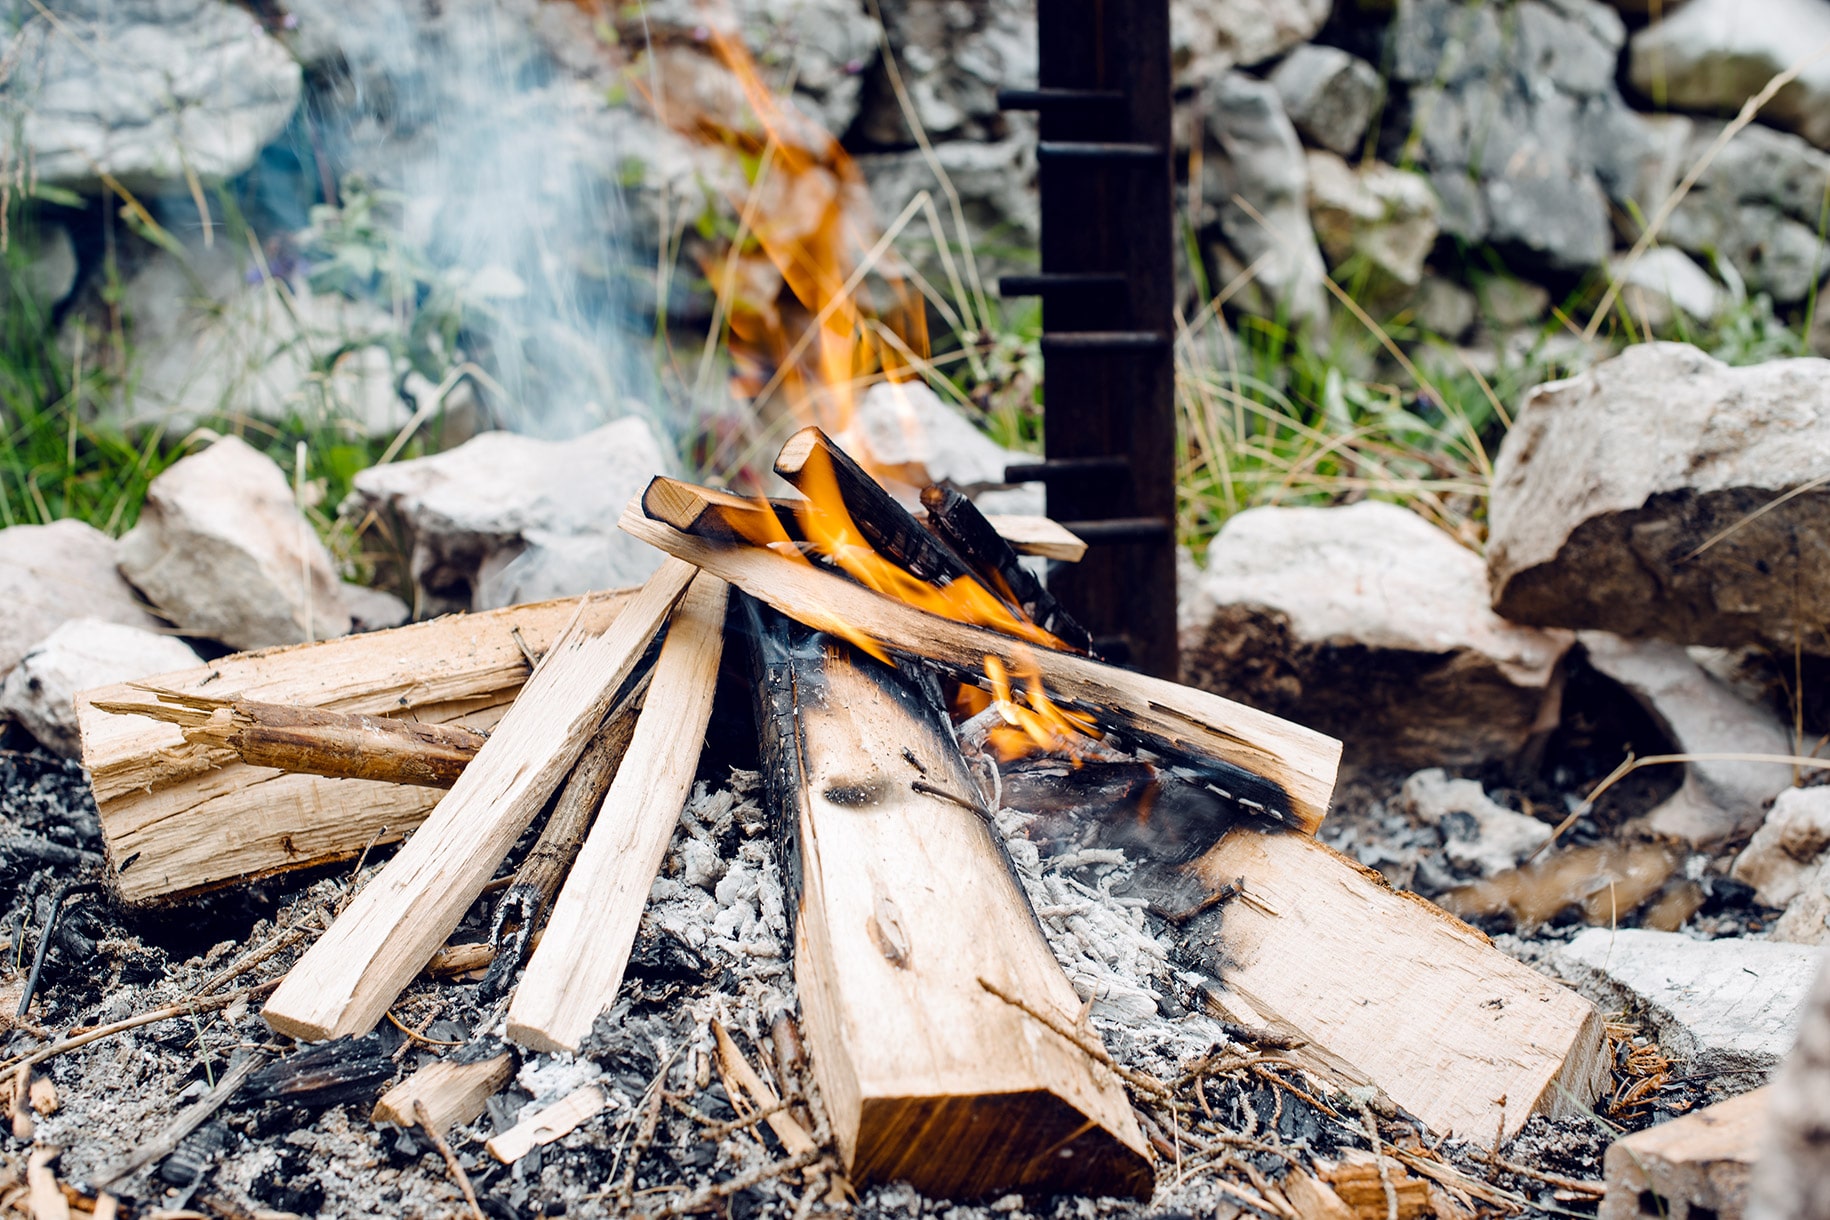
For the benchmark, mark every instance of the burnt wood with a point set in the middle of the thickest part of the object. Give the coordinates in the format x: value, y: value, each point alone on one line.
x: 964, y: 528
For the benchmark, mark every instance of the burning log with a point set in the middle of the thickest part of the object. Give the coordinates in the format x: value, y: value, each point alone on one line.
x: 179, y: 817
x: 311, y: 741
x: 347, y: 980
x: 903, y: 904
x: 1283, y: 768
x: 971, y: 534
x: 575, y: 973
x: 1383, y: 988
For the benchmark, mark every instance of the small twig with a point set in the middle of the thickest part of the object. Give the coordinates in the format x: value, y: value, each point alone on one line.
x: 250, y: 960
x: 66, y: 891
x: 1578, y: 1185
x: 926, y: 789
x: 1264, y: 1073
x: 416, y: 1035
x: 707, y: 1196
x: 426, y: 1124
x: 1385, y: 1175
x: 532, y: 657
x: 182, y: 1008
x: 188, y: 1121
x: 1091, y: 1047
x: 644, y: 1137
x: 716, y: 1130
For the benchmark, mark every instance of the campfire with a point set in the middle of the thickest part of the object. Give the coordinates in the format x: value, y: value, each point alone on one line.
x: 913, y: 688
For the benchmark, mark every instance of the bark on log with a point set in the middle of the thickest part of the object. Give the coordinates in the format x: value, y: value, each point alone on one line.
x: 1284, y: 769
x: 903, y: 903
x: 347, y: 980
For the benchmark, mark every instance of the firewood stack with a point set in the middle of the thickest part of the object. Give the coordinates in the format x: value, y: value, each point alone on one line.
x: 948, y: 1046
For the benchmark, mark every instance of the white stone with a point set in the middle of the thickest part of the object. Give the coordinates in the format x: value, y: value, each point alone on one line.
x: 222, y: 551
x: 373, y: 609
x: 1712, y: 55
x: 1492, y: 840
x: 1625, y: 498
x: 1720, y: 798
x: 1382, y: 214
x: 1665, y: 282
x: 904, y: 430
x: 1788, y: 864
x: 144, y: 91
x: 1371, y: 624
x: 1207, y: 37
x: 503, y: 518
x: 1716, y: 1005
x: 83, y: 654
x: 50, y: 574
x: 1330, y: 95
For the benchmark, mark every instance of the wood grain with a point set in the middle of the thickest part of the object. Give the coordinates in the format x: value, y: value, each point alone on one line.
x: 905, y: 904
x: 1175, y: 718
x: 453, y: 1093
x: 574, y: 974
x: 1389, y: 990
x: 1696, y: 1165
x: 346, y: 981
x: 180, y: 817
x: 1044, y: 536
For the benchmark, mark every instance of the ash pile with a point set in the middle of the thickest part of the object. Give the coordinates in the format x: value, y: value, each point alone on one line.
x: 825, y: 872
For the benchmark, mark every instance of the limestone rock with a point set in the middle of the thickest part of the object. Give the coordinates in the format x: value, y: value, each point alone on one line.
x: 1712, y: 55
x: 906, y: 432
x: 1806, y: 920
x: 1207, y: 37
x: 1623, y: 499
x: 1788, y: 863
x: 50, y: 574
x: 222, y: 551
x: 1329, y: 94
x: 1792, y: 1174
x: 1480, y: 836
x: 504, y: 518
x: 144, y: 90
x: 1518, y: 121
x: 373, y: 609
x: 83, y: 653
x: 1386, y: 216
x: 1701, y: 715
x: 953, y: 59
x: 1665, y: 283
x: 1716, y: 1005
x: 1256, y: 156
x: 1372, y: 625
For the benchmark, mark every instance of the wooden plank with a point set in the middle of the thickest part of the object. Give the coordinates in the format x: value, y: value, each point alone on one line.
x: 1034, y: 535
x: 574, y: 974
x: 906, y: 910
x: 555, y: 1122
x: 964, y: 528
x: 347, y: 979
x: 180, y: 817
x: 1697, y: 1165
x: 1297, y: 765
x: 1388, y: 990
x: 453, y: 1093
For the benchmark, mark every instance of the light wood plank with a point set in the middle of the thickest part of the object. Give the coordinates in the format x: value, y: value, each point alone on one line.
x: 555, y: 1122
x: 1042, y: 536
x: 1697, y: 1164
x: 453, y: 1093
x: 1387, y: 989
x: 346, y: 981
x: 574, y: 974
x: 1297, y: 760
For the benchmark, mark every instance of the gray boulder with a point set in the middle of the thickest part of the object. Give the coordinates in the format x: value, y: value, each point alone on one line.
x: 143, y: 91
x: 82, y: 654
x: 1712, y: 55
x: 50, y: 574
x: 504, y: 518
x: 1717, y: 1005
x: 1788, y: 864
x: 1665, y: 284
x: 1254, y: 154
x: 1720, y: 798
x: 1792, y: 1174
x: 1383, y: 215
x: 953, y: 59
x: 1208, y: 37
x: 1626, y: 498
x: 1518, y: 121
x: 1372, y: 625
x: 223, y: 551
x: 1329, y: 94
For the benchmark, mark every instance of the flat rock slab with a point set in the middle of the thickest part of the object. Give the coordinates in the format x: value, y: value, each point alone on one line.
x: 1644, y: 498
x: 50, y: 574
x: 1718, y: 1005
x: 1372, y: 625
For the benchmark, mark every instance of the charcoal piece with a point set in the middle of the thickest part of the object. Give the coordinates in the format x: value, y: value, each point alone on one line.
x: 330, y: 1073
x: 1169, y: 816
x: 193, y: 1158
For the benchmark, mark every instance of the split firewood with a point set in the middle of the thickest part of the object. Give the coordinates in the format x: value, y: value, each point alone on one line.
x: 1697, y: 1165
x: 904, y: 902
x: 312, y: 741
x: 971, y: 535
x: 453, y: 1093
x: 524, y: 903
x: 543, y: 1127
x: 1041, y: 536
x: 346, y: 981
x: 1369, y: 1188
x: 575, y: 973
x: 179, y: 817
x: 1284, y: 769
x: 1382, y: 988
